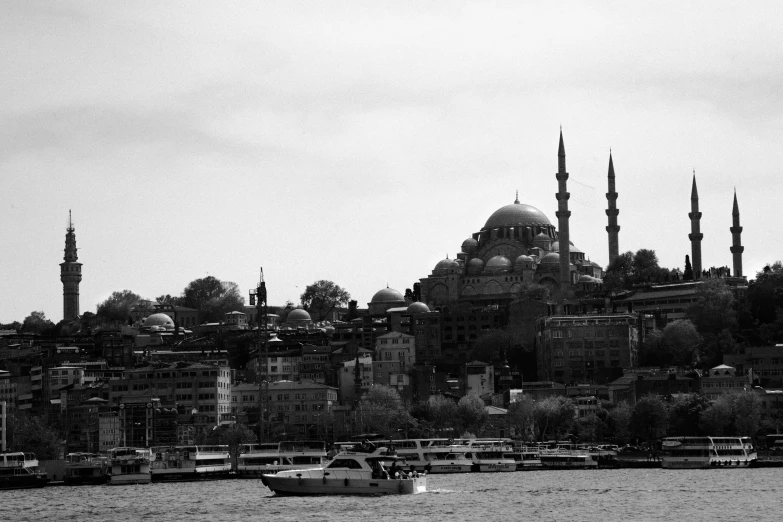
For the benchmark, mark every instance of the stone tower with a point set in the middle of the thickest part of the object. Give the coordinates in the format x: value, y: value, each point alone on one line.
x: 611, y: 212
x: 562, y: 216
x: 695, y: 236
x: 736, y: 245
x: 70, y: 275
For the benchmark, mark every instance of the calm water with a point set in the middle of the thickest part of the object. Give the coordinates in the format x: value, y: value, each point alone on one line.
x: 632, y: 494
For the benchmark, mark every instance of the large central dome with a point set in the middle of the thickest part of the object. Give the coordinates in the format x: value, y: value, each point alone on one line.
x: 515, y: 215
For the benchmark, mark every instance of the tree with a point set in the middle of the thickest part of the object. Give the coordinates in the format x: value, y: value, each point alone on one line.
x: 591, y: 428
x: 34, y: 435
x: 685, y: 411
x: 677, y: 344
x: 212, y: 297
x: 381, y: 410
x: 118, y: 306
x: 619, y: 421
x: 714, y: 315
x: 441, y: 412
x: 472, y: 413
x: 554, y: 417
x: 323, y: 296
x: 36, y: 323
x: 618, y: 273
x: 233, y: 437
x: 16, y: 325
x: 765, y: 303
x: 650, y: 418
x: 535, y: 291
x: 520, y: 418
x: 687, y: 275
x: 718, y: 418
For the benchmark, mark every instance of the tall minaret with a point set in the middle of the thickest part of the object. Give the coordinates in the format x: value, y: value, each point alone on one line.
x: 695, y: 236
x: 736, y: 246
x: 562, y: 215
x: 611, y: 212
x: 70, y: 275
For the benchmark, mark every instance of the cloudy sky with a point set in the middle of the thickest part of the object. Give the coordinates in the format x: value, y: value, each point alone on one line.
x: 362, y: 142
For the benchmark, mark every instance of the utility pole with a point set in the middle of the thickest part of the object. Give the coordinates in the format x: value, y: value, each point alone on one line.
x: 259, y: 297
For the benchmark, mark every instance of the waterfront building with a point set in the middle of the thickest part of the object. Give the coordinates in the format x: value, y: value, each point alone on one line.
x: 721, y: 380
x: 586, y: 348
x: 302, y: 407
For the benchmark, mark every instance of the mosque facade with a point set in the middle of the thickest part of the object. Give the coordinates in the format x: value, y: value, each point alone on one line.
x: 517, y: 244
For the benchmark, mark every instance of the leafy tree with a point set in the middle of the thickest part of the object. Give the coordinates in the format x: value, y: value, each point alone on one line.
x: 619, y: 421
x: 677, y: 344
x: 168, y: 299
x: 212, y: 297
x: 37, y: 323
x: 685, y: 410
x: 442, y: 412
x: 713, y: 310
x: 618, y: 273
x: 718, y: 418
x: 118, y: 306
x: 16, y: 325
x: 234, y: 436
x: 381, y: 410
x: 554, y: 417
x: 472, y: 413
x: 687, y: 275
x: 34, y: 435
x: 650, y: 418
x: 591, y: 428
x: 323, y: 296
x: 520, y: 417
x: 765, y: 303
x: 535, y: 291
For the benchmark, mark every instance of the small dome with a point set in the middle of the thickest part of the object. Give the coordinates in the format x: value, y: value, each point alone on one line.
x: 475, y: 266
x: 298, y: 314
x: 498, y: 264
x: 159, y: 319
x: 444, y: 264
x: 469, y: 245
x: 556, y: 246
x: 386, y: 295
x: 551, y: 259
x: 418, y: 307
x: 521, y: 260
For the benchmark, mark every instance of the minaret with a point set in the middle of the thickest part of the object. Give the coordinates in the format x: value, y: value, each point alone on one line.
x: 695, y: 236
x: 562, y: 215
x: 611, y: 212
x: 70, y: 275
x: 357, y: 382
x: 736, y: 246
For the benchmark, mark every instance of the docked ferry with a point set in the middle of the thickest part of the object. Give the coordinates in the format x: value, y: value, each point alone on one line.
x: 491, y: 455
x: 85, y: 468
x: 128, y: 466
x: 565, y: 456
x: 190, y: 463
x: 707, y: 452
x: 19, y: 470
x: 257, y: 459
x: 526, y: 457
x: 434, y: 455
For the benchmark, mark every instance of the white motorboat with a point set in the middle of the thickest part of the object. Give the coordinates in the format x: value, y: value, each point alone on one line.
x: 359, y: 471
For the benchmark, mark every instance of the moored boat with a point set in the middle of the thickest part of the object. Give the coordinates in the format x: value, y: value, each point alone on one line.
x: 362, y: 471
x: 190, y: 463
x: 19, y: 470
x: 255, y: 460
x: 434, y: 455
x: 491, y: 455
x: 129, y: 466
x: 707, y: 452
x: 563, y: 458
x: 85, y: 468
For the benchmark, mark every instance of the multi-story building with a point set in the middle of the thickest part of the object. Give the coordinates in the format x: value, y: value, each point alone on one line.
x: 347, y: 378
x: 722, y: 380
x: 586, y: 348
x: 245, y: 402
x: 763, y: 363
x: 8, y: 391
x: 478, y: 378
x: 109, y: 433
x: 315, y: 364
x: 284, y: 366
x: 303, y: 407
x: 62, y: 376
x: 395, y: 356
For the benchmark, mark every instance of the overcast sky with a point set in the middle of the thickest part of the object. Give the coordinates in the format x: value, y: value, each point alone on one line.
x: 362, y: 142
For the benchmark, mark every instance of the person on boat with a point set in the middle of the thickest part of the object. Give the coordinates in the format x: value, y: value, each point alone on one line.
x: 332, y: 452
x: 394, y: 471
x: 428, y: 468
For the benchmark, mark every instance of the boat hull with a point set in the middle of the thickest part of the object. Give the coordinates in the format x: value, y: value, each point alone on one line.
x: 344, y: 486
x: 129, y: 478
x: 706, y: 463
x: 189, y: 476
x: 23, y: 482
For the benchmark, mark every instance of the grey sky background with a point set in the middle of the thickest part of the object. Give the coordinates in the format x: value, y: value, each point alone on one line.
x: 362, y: 142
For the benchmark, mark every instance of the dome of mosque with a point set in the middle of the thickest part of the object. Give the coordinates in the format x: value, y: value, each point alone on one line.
x: 418, y: 307
x: 498, y: 264
x: 469, y: 245
x: 475, y: 266
x: 159, y: 319
x: 515, y: 215
x: 551, y: 259
x: 298, y: 314
x: 444, y: 264
x: 386, y: 295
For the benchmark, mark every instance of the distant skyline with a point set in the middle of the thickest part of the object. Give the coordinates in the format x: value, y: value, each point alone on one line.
x: 363, y: 143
